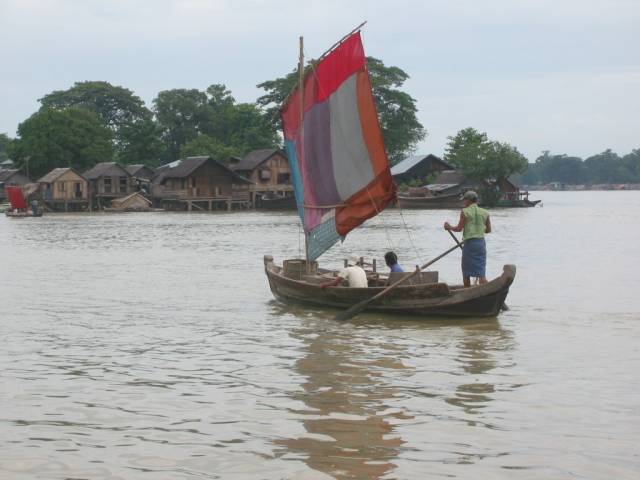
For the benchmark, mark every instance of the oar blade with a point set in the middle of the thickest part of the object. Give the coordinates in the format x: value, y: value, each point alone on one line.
x: 352, y: 311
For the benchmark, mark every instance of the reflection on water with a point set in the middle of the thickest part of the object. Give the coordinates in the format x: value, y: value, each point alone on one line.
x: 476, y: 357
x: 349, y: 411
x: 353, y: 388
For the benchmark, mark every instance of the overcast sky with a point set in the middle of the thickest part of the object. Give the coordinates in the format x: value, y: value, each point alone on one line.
x: 561, y: 75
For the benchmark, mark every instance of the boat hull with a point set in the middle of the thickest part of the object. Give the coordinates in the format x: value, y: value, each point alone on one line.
x: 12, y: 214
x: 435, y: 299
x: 280, y: 203
x: 427, y: 203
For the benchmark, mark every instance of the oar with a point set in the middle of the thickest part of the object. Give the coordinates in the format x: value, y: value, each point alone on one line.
x: 455, y: 239
x: 504, y: 305
x: 360, y: 306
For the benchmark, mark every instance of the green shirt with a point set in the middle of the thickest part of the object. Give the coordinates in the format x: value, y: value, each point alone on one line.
x: 475, y: 220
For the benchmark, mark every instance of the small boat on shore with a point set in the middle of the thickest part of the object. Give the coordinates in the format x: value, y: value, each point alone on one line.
x: 292, y: 284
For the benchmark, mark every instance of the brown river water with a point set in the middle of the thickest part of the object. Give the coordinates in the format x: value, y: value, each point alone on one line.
x: 148, y: 346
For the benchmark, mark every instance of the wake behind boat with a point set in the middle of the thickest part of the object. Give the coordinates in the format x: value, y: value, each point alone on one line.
x: 341, y: 177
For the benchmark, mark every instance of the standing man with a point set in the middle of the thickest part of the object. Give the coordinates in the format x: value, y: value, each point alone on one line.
x: 474, y: 223
x: 353, y: 274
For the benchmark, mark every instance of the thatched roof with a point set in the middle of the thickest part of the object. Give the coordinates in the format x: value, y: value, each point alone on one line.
x: 254, y: 158
x: 105, y: 169
x: 449, y: 177
x: 56, y: 173
x: 186, y: 166
x: 117, y: 202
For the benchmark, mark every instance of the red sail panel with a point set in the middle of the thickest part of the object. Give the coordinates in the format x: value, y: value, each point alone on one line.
x: 16, y: 197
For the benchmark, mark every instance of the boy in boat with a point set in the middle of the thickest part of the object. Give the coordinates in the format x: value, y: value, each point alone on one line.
x: 353, y: 274
x: 474, y: 223
x: 391, y: 259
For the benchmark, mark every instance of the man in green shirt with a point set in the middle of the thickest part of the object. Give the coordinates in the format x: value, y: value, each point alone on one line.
x: 474, y: 223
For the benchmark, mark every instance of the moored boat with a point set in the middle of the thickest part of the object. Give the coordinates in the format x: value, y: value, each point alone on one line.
x: 430, y: 202
x: 18, y: 204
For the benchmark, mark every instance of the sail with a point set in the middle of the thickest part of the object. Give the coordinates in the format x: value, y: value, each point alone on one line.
x: 16, y: 197
x: 339, y: 166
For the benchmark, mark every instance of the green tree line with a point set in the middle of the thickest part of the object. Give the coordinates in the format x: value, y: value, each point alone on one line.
x: 95, y: 121
x: 604, y: 168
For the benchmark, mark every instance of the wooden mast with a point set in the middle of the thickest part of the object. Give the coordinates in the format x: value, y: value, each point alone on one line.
x: 301, y: 90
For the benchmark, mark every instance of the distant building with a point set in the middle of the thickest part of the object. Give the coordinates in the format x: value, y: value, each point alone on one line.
x: 199, y: 183
x: 6, y: 164
x: 64, y: 189
x: 9, y: 177
x: 108, y: 180
x: 269, y: 172
x: 419, y: 167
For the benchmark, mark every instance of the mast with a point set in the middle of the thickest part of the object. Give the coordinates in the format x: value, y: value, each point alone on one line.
x: 301, y: 90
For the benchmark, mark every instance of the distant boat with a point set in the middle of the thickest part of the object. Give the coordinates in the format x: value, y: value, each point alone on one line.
x: 277, y: 202
x: 452, y: 200
x: 341, y: 177
x: 19, y: 207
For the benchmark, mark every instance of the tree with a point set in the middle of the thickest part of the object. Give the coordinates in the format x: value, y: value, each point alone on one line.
x: 487, y: 162
x: 136, y: 139
x: 74, y: 137
x: 397, y: 110
x: 5, y: 146
x: 180, y: 113
x: 212, y: 123
x: 141, y: 143
x: 205, y: 145
x: 606, y: 167
x: 632, y: 163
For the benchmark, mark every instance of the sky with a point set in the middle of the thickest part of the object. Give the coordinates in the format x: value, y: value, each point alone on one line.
x: 561, y: 75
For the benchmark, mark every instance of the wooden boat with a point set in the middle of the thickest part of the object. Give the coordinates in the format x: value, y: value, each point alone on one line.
x: 19, y: 207
x: 335, y: 196
x: 294, y: 285
x: 452, y: 201
x: 277, y: 202
x: 22, y: 214
x: 520, y: 203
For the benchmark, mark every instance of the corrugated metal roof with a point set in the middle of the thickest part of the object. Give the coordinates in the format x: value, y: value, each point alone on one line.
x: 413, y: 160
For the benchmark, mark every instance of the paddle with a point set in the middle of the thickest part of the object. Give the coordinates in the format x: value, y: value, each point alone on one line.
x: 360, y: 306
x: 504, y: 305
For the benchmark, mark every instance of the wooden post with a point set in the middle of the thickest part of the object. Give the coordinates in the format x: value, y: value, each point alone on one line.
x: 374, y: 265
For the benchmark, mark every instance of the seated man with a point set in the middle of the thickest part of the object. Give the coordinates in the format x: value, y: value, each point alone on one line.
x: 353, y: 274
x: 391, y: 259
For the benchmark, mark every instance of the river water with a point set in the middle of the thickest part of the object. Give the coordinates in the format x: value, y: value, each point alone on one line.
x: 148, y: 346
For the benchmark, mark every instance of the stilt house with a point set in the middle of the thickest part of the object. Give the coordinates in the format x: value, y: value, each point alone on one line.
x: 200, y: 183
x: 64, y: 189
